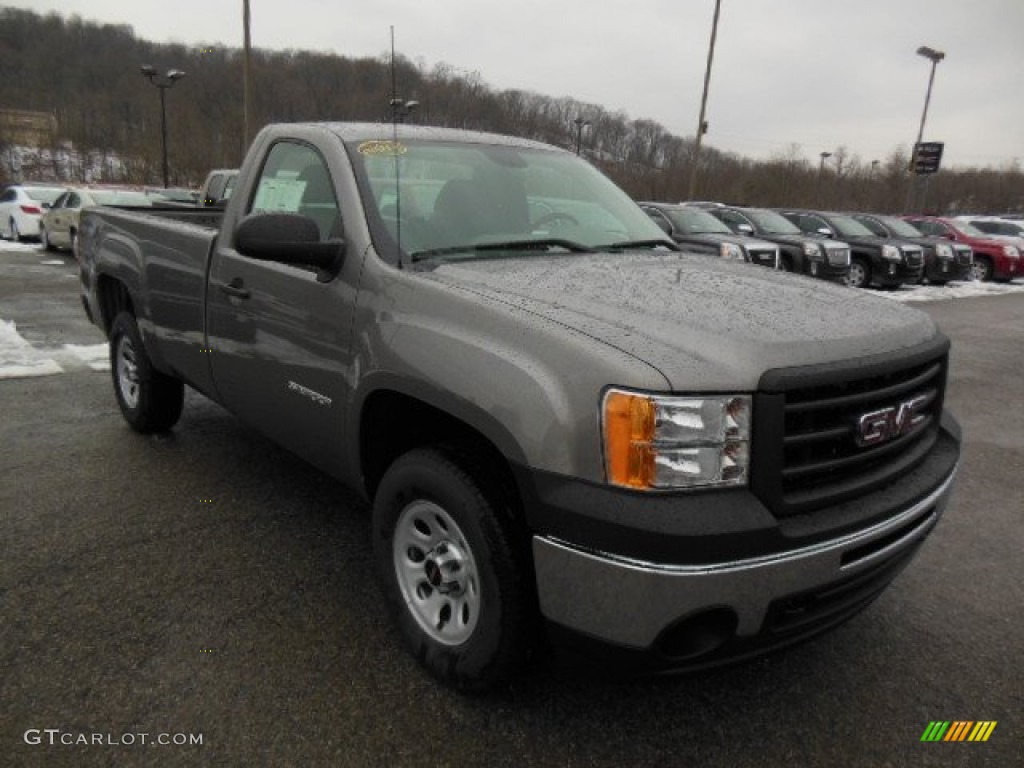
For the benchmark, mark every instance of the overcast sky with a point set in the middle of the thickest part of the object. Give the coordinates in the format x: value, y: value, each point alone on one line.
x: 816, y: 73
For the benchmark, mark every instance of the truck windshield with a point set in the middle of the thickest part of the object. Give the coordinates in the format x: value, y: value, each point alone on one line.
x: 772, y: 223
x: 441, y: 198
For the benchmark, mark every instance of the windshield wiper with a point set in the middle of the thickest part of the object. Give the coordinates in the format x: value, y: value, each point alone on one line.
x: 638, y: 244
x: 544, y: 245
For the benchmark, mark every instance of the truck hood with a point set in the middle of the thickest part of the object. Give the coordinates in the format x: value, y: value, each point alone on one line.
x: 705, y: 324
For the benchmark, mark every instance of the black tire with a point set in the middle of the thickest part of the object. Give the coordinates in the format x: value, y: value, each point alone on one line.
x: 860, y: 274
x: 15, y: 234
x: 452, y: 521
x: 150, y: 401
x: 45, y: 240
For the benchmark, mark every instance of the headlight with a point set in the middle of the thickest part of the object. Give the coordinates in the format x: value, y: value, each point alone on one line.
x: 812, y: 250
x: 655, y: 442
x: 1011, y: 251
x: 891, y: 252
x: 730, y: 251
x: 943, y: 251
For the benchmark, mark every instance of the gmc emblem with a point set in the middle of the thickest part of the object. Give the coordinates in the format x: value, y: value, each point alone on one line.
x: 881, y: 426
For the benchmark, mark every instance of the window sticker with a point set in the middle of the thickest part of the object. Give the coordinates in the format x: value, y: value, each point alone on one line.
x: 279, y: 195
x: 386, y: 148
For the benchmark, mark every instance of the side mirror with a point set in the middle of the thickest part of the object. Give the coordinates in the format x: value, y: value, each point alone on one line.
x: 46, y: 206
x: 824, y: 232
x: 289, y: 238
x: 745, y: 229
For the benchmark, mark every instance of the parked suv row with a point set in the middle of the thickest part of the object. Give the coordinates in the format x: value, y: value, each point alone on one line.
x: 701, y: 232
x: 943, y: 260
x: 812, y: 255
x: 873, y: 260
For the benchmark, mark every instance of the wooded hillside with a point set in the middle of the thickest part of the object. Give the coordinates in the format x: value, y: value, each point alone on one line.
x: 88, y: 76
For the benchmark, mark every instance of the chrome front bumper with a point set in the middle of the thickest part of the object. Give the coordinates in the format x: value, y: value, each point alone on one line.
x: 630, y: 603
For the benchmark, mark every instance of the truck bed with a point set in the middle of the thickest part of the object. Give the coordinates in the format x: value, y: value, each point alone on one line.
x: 165, y: 251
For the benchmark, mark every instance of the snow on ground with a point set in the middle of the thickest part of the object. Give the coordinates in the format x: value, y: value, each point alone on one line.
x: 954, y: 290
x: 30, y: 247
x: 18, y: 359
x: 96, y: 356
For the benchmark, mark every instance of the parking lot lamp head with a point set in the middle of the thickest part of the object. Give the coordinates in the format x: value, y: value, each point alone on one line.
x: 162, y: 81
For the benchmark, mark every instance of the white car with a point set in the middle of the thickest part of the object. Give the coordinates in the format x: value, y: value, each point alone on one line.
x: 59, y: 225
x: 1000, y: 229
x: 21, y: 207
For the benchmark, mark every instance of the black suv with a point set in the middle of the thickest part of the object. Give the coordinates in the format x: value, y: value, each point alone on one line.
x: 813, y: 255
x: 699, y: 231
x: 873, y: 260
x: 943, y: 260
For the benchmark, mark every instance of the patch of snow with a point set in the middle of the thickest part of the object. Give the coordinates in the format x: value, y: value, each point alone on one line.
x: 10, y: 245
x: 954, y: 290
x: 52, y: 263
x: 96, y: 356
x: 18, y: 359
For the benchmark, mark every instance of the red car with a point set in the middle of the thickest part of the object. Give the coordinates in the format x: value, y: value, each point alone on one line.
x: 993, y: 259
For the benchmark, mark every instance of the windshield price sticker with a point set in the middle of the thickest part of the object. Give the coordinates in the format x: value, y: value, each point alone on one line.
x: 386, y: 148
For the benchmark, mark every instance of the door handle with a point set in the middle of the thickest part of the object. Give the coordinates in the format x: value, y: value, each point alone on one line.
x: 235, y: 288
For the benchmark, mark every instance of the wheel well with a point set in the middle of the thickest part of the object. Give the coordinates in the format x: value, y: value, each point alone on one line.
x: 113, y: 299
x: 392, y: 424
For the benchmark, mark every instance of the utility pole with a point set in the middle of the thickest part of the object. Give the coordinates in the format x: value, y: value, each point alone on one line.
x: 246, y: 76
x: 702, y: 126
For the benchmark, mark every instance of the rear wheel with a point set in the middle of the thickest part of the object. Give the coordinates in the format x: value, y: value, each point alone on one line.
x: 150, y: 401
x: 15, y: 234
x: 453, y: 568
x: 860, y: 274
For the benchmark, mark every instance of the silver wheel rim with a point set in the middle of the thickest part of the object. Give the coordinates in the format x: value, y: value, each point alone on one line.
x: 857, y: 275
x: 436, y: 572
x: 127, y: 372
x: 980, y: 270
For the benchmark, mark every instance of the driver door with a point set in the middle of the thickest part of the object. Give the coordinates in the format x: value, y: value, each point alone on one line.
x: 279, y: 339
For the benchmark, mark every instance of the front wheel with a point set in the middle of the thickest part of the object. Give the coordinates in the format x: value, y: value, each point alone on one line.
x: 860, y: 274
x: 981, y: 269
x: 45, y: 239
x: 150, y: 401
x: 453, y: 568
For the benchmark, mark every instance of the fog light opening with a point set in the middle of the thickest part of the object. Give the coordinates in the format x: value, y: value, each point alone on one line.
x: 698, y: 635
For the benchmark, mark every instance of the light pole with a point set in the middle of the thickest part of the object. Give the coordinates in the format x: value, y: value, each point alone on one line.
x: 580, y: 123
x: 702, y: 124
x: 163, y: 81
x: 934, y: 57
x: 821, y: 170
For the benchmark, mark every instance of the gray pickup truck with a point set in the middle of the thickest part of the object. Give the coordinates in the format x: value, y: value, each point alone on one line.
x: 571, y: 432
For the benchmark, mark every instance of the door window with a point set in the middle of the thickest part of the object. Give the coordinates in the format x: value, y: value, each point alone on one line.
x: 295, y: 180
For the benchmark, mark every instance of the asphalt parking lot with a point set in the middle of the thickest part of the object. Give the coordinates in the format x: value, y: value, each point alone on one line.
x: 206, y: 583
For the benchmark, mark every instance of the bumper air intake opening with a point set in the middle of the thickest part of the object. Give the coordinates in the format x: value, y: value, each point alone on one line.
x: 698, y: 635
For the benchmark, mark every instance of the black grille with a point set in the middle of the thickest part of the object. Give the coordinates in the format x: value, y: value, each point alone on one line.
x: 963, y: 258
x: 915, y: 257
x: 806, y: 449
